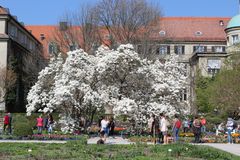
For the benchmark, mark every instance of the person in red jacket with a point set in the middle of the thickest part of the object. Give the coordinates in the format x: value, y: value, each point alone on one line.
x: 203, y: 123
x: 6, y: 122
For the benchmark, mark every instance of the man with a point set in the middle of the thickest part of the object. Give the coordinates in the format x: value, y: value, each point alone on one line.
x: 229, y: 126
x: 197, y: 129
x: 176, y: 127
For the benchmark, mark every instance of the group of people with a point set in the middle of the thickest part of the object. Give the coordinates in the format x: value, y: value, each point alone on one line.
x: 161, y: 126
x: 45, y: 123
x: 106, y: 126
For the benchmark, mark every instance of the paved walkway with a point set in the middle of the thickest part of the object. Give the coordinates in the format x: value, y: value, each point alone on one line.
x: 110, y: 140
x: 31, y: 141
x: 231, y: 148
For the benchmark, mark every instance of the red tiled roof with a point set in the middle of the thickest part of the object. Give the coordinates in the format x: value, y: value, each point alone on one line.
x: 184, y: 28
x: 3, y: 10
x: 48, y: 34
x: 177, y: 29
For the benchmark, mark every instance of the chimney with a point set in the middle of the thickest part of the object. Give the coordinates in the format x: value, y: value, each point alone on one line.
x: 63, y: 26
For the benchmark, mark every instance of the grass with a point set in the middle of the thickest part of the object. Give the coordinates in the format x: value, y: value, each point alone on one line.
x: 80, y: 150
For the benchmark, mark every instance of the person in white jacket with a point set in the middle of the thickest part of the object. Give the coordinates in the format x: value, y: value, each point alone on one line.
x: 229, y: 126
x: 164, y: 127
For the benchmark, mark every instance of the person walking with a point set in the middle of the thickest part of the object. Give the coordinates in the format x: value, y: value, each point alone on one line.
x: 176, y: 127
x: 104, y: 128
x: 50, y: 123
x: 40, y: 124
x: 6, y: 121
x: 229, y: 126
x: 197, y: 129
x: 164, y: 127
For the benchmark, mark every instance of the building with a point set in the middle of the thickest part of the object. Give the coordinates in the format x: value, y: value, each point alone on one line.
x: 202, y: 43
x: 22, y: 53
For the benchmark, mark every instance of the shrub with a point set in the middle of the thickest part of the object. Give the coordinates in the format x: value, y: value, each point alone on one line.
x: 22, y: 126
x: 22, y: 129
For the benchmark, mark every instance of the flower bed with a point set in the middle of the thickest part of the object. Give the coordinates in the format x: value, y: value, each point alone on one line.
x: 186, y: 134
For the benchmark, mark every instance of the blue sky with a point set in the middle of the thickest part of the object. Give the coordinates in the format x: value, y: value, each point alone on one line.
x: 50, y: 11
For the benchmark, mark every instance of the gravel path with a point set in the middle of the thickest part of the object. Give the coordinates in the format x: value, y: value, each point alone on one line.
x: 110, y: 140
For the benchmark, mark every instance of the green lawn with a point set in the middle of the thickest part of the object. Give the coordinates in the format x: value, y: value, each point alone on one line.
x: 80, y: 150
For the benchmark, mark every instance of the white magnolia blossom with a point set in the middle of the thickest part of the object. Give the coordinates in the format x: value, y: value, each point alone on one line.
x: 84, y: 84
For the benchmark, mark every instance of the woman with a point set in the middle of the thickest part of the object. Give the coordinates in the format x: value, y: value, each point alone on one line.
x: 40, y: 124
x: 50, y: 123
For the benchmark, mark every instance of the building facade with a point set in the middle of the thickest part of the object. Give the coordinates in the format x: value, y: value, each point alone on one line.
x: 200, y: 42
x: 20, y: 52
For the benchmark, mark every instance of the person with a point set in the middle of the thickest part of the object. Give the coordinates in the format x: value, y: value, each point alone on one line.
x: 40, y: 124
x: 45, y: 124
x: 151, y: 122
x: 164, y: 127
x: 6, y: 122
x: 185, y: 126
x: 50, y: 123
x: 197, y: 129
x: 99, y: 123
x: 203, y: 123
x: 111, y: 126
x: 219, y: 129
x: 153, y: 127
x: 229, y: 126
x: 104, y: 127
x: 176, y: 127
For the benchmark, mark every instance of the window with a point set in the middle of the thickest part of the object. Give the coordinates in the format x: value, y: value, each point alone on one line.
x: 234, y: 39
x: 198, y: 33
x: 22, y: 38
x: 162, y: 33
x: 214, y: 66
x: 218, y: 49
x: 162, y: 50
x: 199, y: 48
x: 32, y: 45
x: 179, y: 50
x: 53, y: 48
x: 13, y: 31
x: 183, y: 95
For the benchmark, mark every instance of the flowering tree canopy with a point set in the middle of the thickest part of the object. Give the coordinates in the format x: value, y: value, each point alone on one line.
x: 85, y: 84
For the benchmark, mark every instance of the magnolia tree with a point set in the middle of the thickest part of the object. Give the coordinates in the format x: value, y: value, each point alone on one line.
x: 84, y: 84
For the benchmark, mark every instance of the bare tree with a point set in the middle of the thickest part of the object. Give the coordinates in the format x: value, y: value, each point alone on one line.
x: 7, y: 80
x: 128, y: 21
x: 109, y: 22
x: 77, y: 30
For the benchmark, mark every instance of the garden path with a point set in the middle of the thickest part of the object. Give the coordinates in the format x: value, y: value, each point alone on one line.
x: 231, y: 148
x: 110, y: 140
